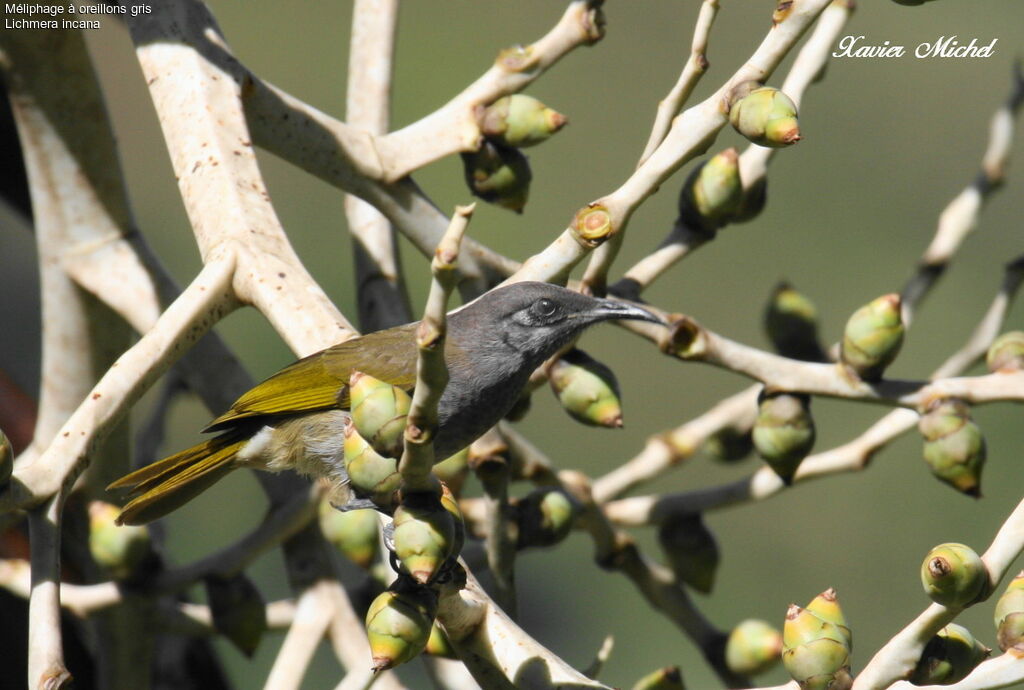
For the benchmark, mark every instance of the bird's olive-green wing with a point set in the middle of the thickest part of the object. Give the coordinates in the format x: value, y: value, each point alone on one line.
x: 320, y: 381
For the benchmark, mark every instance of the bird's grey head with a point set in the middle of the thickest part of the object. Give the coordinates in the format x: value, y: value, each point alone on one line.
x: 535, y: 319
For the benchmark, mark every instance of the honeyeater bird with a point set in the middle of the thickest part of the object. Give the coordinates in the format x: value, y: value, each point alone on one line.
x: 296, y: 418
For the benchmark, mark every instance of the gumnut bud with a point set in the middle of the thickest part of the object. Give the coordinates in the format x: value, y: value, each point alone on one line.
x: 668, y: 678
x: 520, y: 120
x: 755, y: 196
x: 764, y: 115
x: 424, y: 536
x: 450, y: 503
x: 873, y: 337
x: 587, y: 389
x: 438, y: 643
x: 816, y: 652
x: 954, y: 447
x: 791, y: 322
x: 6, y: 458
x: 784, y: 431
x: 753, y: 648
x: 713, y: 192
x: 353, y: 532
x: 691, y: 550
x: 398, y: 624
x: 826, y: 607
x: 120, y: 551
x: 545, y: 517
x: 378, y: 412
x: 953, y: 575
x: 370, y: 474
x: 453, y: 470
x: 1006, y: 353
x: 498, y: 175
x: 949, y: 657
x: 1009, y: 616
x: 238, y: 610
x: 729, y: 444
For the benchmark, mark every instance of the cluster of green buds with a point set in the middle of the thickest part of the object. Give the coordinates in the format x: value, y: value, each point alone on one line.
x: 428, y: 531
x: 519, y: 121
x: 375, y: 436
x: 691, y: 549
x: 438, y: 643
x: 498, y: 172
x: 1006, y: 353
x: 1009, y: 616
x: 120, y: 551
x: 238, y: 610
x: 791, y: 323
x: 764, y: 115
x: 954, y: 575
x: 6, y: 458
x: 753, y: 647
x: 353, y: 532
x: 817, y: 643
x: 498, y: 175
x: 713, y: 192
x: 667, y: 678
x: 949, y: 657
x: 873, y: 336
x: 729, y: 444
x: 783, y: 433
x: 398, y: 624
x: 587, y: 389
x: 954, y: 447
x: 544, y: 517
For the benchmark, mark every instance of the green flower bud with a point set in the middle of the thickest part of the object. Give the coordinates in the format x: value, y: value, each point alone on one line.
x: 378, y: 412
x: 425, y: 535
x: 815, y: 652
x: 729, y: 444
x: 238, y: 610
x: 370, y: 473
x: 498, y: 175
x: 398, y: 625
x: 587, y: 389
x: 953, y: 575
x: 791, y: 322
x: 949, y: 657
x: 6, y: 458
x: 753, y: 648
x: 353, y: 532
x: 668, y: 678
x: 753, y: 202
x: 826, y: 607
x: 873, y: 337
x: 691, y: 549
x: 520, y: 121
x: 1006, y: 353
x: 545, y: 517
x: 784, y: 432
x: 438, y: 644
x: 764, y: 115
x: 453, y: 470
x: 1009, y: 616
x: 713, y: 192
x: 120, y: 551
x: 954, y: 447
x: 450, y: 503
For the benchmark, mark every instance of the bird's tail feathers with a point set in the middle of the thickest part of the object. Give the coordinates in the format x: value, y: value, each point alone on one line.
x: 166, y: 484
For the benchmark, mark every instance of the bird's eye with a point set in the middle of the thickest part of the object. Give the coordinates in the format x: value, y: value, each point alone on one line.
x: 544, y: 307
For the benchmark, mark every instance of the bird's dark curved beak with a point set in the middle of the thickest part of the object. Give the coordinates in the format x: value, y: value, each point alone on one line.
x: 607, y: 309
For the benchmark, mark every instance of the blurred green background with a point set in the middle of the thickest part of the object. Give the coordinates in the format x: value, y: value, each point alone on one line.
x: 887, y: 143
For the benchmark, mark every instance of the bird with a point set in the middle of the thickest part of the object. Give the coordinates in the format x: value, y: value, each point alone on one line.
x: 295, y: 419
